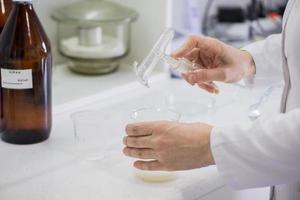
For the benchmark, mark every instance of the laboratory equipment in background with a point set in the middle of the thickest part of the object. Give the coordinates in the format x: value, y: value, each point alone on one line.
x: 228, y: 21
x: 244, y: 24
x: 148, y: 115
x: 94, y: 35
x: 26, y: 62
x: 5, y: 8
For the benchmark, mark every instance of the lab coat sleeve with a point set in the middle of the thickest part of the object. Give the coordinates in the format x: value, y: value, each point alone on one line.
x: 267, y: 56
x: 263, y: 154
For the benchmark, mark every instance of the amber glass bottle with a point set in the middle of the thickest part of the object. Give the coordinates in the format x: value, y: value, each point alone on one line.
x: 5, y: 7
x: 26, y: 62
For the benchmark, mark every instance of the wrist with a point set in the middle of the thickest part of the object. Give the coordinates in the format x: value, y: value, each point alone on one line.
x: 248, y: 64
x: 210, y: 156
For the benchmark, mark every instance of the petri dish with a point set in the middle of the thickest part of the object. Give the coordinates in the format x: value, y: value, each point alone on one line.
x: 192, y: 103
x: 148, y: 115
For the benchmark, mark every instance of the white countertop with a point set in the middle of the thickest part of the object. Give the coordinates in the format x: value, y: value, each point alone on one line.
x: 57, y: 170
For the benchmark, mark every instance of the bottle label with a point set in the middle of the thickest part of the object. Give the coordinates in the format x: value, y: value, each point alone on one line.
x: 16, y: 79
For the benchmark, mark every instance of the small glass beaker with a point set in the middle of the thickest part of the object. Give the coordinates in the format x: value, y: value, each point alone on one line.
x: 90, y: 134
x: 148, y: 115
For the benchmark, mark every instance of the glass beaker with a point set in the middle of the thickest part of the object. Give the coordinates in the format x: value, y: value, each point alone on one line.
x: 148, y: 115
x: 90, y: 134
x: 94, y: 35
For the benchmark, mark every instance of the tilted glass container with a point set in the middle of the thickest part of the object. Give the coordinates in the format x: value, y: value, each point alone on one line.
x: 94, y: 35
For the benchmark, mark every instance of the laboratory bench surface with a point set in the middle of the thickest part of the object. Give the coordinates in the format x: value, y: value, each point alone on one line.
x: 59, y: 168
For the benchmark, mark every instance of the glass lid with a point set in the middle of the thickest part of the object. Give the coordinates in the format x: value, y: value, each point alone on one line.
x: 94, y: 11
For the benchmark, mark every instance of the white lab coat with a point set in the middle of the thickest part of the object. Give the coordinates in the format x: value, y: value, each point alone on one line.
x: 268, y: 152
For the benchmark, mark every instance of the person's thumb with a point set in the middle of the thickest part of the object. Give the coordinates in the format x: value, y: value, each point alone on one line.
x: 206, y: 75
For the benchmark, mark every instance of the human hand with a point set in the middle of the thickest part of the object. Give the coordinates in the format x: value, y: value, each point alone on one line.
x: 220, y: 62
x: 169, y: 146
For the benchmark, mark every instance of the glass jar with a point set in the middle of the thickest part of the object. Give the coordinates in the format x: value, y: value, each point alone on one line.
x: 94, y: 35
